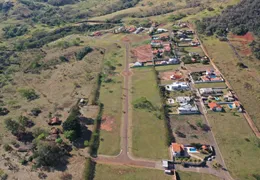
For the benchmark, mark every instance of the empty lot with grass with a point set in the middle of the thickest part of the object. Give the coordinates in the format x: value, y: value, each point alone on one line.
x: 195, y: 176
x: 114, y: 172
x: 148, y: 130
x: 237, y: 143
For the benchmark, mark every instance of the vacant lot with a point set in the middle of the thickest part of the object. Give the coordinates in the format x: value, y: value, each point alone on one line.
x: 243, y: 81
x: 113, y: 172
x: 148, y: 130
x: 189, y: 129
x: 237, y: 143
x: 193, y: 176
x: 111, y: 97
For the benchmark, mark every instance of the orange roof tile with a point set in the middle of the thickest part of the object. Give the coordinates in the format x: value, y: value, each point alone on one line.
x: 177, y: 147
x: 213, y: 105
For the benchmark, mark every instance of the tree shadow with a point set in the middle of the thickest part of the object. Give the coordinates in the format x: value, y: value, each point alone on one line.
x: 86, y: 121
x: 85, y: 136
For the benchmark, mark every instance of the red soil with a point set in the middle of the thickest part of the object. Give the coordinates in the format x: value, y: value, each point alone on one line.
x: 143, y: 53
x: 166, y: 76
x: 243, y: 42
x: 107, y: 123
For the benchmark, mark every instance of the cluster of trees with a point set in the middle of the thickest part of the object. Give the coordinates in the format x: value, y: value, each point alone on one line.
x: 14, y: 30
x: 83, y: 52
x: 239, y: 19
x: 41, y: 38
x: 72, y: 127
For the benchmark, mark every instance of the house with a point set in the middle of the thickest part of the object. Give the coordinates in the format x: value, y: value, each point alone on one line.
x: 174, y: 61
x: 188, y: 109
x: 178, y: 150
x: 185, y: 39
x: 177, y: 86
x: 183, y: 99
x: 138, y: 30
x: 229, y: 97
x: 194, y: 43
x: 215, y: 107
x: 138, y: 64
x: 54, y: 121
x: 160, y: 30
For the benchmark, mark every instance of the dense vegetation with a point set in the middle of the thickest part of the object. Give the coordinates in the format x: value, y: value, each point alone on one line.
x: 238, y: 19
x: 14, y: 30
x: 83, y: 52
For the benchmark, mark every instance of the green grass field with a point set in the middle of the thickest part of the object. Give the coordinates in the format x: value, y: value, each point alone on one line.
x: 110, y: 96
x: 148, y: 131
x: 210, y: 85
x: 238, y: 144
x: 195, y: 176
x: 113, y: 172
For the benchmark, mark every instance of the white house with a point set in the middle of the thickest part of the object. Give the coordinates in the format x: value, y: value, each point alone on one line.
x: 188, y: 109
x: 138, y: 64
x: 174, y: 61
x: 177, y: 86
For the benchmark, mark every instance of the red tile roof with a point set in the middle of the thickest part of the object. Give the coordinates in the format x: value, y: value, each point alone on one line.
x: 177, y: 147
x: 213, y: 105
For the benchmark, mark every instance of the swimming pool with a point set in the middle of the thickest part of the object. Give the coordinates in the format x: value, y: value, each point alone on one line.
x: 217, y: 98
x: 193, y: 149
x: 230, y: 106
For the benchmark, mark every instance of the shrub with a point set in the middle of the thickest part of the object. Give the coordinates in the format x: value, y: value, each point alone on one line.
x: 70, y: 135
x: 86, y: 143
x: 7, y: 147
x: 59, y: 140
x: 89, y: 169
x: 83, y: 52
x: 36, y: 111
x: 143, y: 103
x: 29, y: 94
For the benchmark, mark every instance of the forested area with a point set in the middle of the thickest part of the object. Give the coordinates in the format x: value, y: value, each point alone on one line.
x: 238, y: 19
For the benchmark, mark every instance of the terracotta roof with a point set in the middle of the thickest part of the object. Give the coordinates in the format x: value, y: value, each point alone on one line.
x: 213, y: 105
x: 177, y: 147
x: 237, y: 103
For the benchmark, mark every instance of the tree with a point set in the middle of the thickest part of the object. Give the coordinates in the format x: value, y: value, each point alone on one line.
x: 48, y: 154
x: 25, y: 122
x: 72, y: 122
x: 70, y: 135
x: 13, y: 126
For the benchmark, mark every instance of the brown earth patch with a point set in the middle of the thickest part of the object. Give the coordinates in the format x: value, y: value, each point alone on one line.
x: 247, y: 37
x: 166, y: 76
x: 243, y: 43
x: 107, y: 123
x: 143, y: 53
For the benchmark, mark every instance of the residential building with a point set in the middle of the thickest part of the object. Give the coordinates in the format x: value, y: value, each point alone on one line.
x: 188, y: 109
x: 215, y: 107
x: 177, y: 86
x: 183, y: 99
x: 178, y: 150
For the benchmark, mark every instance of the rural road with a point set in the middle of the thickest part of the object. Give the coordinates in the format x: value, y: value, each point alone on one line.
x: 125, y: 158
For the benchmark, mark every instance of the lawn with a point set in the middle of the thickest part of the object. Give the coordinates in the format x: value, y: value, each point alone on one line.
x: 113, y: 172
x: 195, y: 176
x: 238, y: 145
x: 149, y: 140
x: 242, y: 81
x: 110, y: 96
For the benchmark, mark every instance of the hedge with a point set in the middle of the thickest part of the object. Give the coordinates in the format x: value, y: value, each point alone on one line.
x: 89, y: 169
x: 164, y: 112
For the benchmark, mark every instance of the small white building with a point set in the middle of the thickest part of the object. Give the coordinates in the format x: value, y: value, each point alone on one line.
x: 177, y: 86
x: 160, y: 30
x: 174, y: 61
x: 138, y: 64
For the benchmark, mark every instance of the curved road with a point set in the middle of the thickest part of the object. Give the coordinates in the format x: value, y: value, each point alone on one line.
x: 125, y: 158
